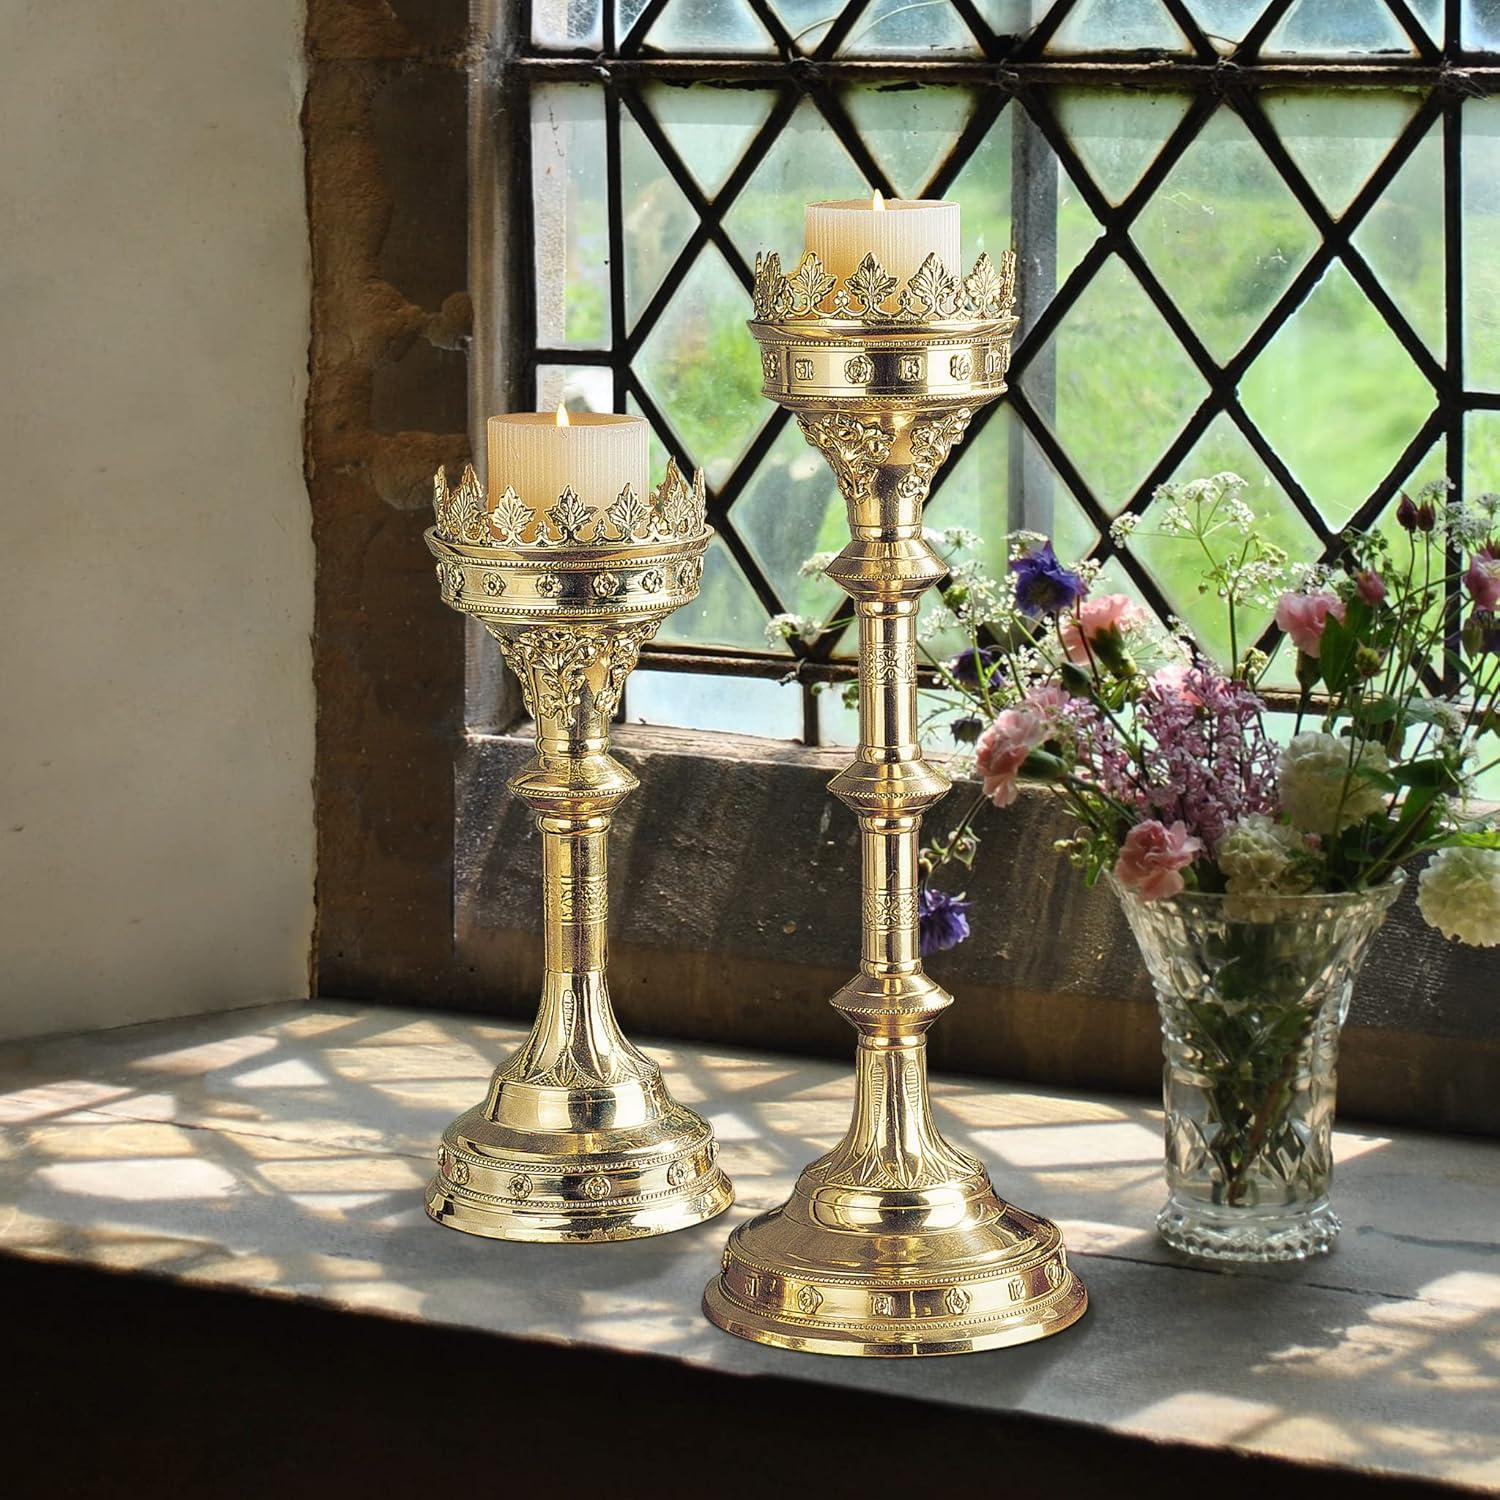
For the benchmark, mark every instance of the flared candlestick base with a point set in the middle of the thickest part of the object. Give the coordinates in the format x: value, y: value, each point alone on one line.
x: 895, y: 1243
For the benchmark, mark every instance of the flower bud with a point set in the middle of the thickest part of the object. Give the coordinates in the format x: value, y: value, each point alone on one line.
x: 1370, y: 586
x: 966, y: 730
x: 1368, y: 662
x: 1406, y: 513
x: 1309, y: 670
x: 1075, y: 680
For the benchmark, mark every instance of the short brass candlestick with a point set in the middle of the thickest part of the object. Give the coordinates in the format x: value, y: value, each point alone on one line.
x: 895, y: 1243
x: 577, y: 1138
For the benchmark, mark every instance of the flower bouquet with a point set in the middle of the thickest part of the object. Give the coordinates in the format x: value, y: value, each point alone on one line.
x: 1255, y: 840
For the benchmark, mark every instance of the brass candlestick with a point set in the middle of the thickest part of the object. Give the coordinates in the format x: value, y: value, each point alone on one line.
x: 895, y: 1243
x: 577, y: 1138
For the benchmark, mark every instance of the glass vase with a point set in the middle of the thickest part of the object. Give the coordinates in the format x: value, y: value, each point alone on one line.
x: 1253, y: 992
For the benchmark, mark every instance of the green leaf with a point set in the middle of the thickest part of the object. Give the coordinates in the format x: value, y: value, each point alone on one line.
x: 1386, y: 781
x: 1431, y: 772
x: 1487, y: 838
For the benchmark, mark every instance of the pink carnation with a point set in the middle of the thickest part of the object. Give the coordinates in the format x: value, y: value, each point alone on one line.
x: 1151, y: 857
x: 1303, y: 617
x: 1174, y: 683
x: 1003, y: 748
x: 1104, y: 615
x: 1047, y: 698
x: 1483, y: 579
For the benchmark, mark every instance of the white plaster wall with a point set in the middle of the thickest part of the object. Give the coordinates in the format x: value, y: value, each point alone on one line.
x: 156, y: 564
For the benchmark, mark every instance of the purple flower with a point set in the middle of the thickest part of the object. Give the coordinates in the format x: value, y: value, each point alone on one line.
x: 966, y: 729
x: 975, y: 665
x: 942, y: 921
x: 1043, y: 585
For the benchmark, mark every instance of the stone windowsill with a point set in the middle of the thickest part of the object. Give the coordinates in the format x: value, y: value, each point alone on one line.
x: 282, y: 1151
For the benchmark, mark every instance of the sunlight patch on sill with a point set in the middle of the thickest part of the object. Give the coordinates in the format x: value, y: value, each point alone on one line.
x: 207, y: 1057
x: 1056, y: 1147
x: 293, y: 1073
x: 1209, y: 1416
x: 57, y: 1098
x: 143, y: 1180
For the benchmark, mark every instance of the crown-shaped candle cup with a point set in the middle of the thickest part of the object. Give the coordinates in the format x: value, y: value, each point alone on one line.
x: 896, y: 1242
x: 577, y: 1138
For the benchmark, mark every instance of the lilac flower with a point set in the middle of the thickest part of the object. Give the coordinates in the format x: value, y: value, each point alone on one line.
x: 942, y: 921
x: 1095, y: 752
x: 975, y: 665
x: 1043, y: 585
x: 1213, y: 763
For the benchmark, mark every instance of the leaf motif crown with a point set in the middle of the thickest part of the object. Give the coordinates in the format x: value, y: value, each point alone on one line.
x: 673, y: 511
x: 872, y: 295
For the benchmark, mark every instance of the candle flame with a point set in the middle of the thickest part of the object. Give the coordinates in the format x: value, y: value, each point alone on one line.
x: 877, y: 202
x: 562, y: 415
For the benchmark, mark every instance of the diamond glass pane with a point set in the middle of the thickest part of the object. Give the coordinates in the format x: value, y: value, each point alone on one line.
x: 695, y: 700
x: 1430, y: 14
x: 806, y: 164
x: 1479, y: 25
x: 1125, y: 387
x: 707, y: 26
x: 709, y: 127
x: 1334, y: 28
x: 790, y: 509
x: 1338, y: 139
x: 1482, y: 452
x: 1224, y: 234
x: 567, y: 23
x: 1481, y: 226
x: 1402, y: 239
x: 578, y: 387
x: 658, y: 220
x: 1117, y: 135
x: 570, y: 216
x: 898, y: 26
x: 701, y: 368
x: 807, y: 21
x: 725, y: 613
x: 1337, y: 396
x: 1118, y: 26
x: 1000, y: 480
x: 1225, y: 22
x: 1062, y: 230
x: 1176, y: 563
x: 910, y: 132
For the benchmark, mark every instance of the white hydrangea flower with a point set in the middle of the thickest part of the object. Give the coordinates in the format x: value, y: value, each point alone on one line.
x: 1260, y: 857
x: 1459, y: 894
x: 1313, y: 771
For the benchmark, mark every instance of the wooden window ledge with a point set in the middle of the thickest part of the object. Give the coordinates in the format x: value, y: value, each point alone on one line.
x: 282, y: 1151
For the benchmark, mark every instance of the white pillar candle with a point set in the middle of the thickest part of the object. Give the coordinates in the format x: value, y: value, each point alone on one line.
x: 539, y: 454
x: 899, y: 232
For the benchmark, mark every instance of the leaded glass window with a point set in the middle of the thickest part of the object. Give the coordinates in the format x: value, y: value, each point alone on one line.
x: 1253, y: 236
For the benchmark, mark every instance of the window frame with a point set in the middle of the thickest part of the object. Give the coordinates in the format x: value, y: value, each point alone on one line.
x: 1015, y: 73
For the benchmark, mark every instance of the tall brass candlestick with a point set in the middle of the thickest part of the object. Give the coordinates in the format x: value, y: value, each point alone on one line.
x: 578, y: 1137
x: 895, y: 1243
